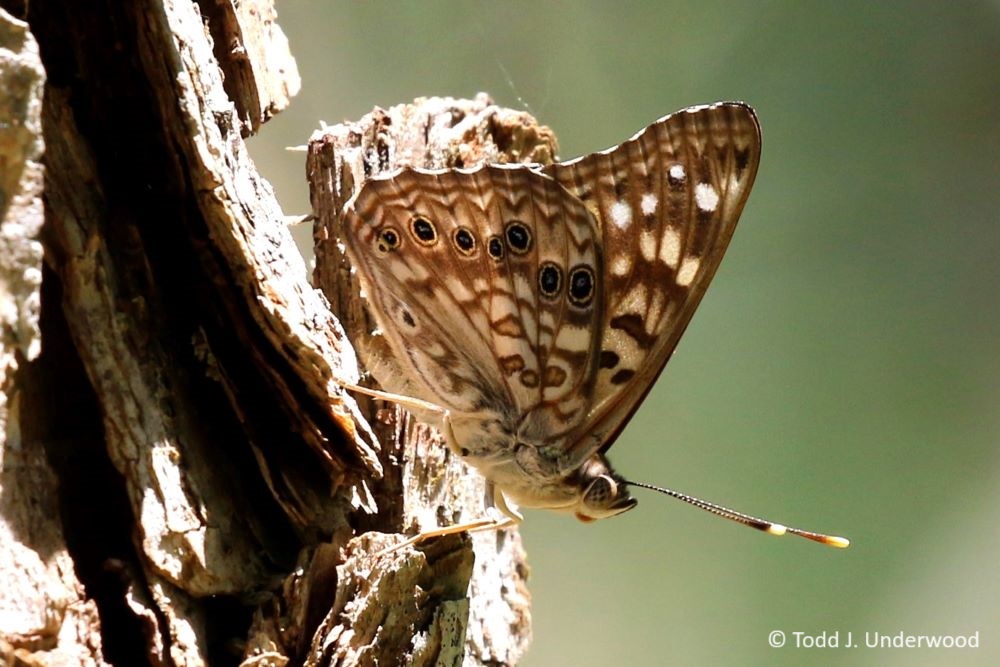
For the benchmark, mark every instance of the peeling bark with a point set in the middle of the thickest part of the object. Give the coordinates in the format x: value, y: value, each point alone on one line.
x: 182, y: 480
x: 45, y: 617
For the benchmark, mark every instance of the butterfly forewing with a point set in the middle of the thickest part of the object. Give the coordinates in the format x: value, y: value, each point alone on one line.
x: 667, y: 202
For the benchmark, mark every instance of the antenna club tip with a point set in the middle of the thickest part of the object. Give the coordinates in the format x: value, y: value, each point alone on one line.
x: 839, y: 542
x: 777, y: 529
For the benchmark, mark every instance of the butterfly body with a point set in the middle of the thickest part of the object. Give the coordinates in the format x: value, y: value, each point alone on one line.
x: 537, y: 305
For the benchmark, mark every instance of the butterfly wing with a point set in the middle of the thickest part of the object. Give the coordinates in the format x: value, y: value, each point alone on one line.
x: 667, y: 202
x: 470, y: 276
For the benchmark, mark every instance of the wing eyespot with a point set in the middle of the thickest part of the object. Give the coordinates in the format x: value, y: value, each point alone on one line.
x: 495, y: 248
x: 518, y: 237
x: 581, y: 286
x: 550, y: 280
x: 423, y: 231
x: 465, y: 242
x: 386, y: 241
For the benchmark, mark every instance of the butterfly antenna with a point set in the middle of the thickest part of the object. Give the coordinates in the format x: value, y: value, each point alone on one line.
x: 747, y: 520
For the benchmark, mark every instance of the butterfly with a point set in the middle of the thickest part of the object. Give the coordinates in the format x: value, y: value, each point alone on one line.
x: 527, y: 310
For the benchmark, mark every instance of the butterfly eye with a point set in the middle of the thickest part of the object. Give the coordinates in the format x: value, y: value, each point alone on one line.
x: 464, y: 241
x: 495, y: 247
x: 388, y: 239
x: 604, y: 497
x: 602, y: 490
x: 424, y: 231
x: 581, y: 286
x: 549, y: 279
x: 518, y: 237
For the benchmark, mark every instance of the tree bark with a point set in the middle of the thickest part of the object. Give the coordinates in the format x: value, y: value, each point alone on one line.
x: 182, y: 480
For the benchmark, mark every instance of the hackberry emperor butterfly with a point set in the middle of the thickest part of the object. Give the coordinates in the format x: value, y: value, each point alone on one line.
x: 527, y: 310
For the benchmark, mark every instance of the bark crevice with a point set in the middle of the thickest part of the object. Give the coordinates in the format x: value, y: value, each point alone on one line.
x: 208, y: 494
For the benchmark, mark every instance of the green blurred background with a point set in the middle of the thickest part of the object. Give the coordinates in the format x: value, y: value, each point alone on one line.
x: 840, y: 375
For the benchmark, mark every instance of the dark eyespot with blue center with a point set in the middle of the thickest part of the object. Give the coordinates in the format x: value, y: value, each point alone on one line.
x: 423, y: 230
x: 518, y: 237
x: 581, y: 286
x: 495, y: 247
x: 386, y: 240
x: 464, y: 241
x: 549, y: 279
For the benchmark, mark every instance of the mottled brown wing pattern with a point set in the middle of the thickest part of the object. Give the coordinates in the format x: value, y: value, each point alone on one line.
x: 534, y: 307
x: 667, y: 202
x: 470, y: 275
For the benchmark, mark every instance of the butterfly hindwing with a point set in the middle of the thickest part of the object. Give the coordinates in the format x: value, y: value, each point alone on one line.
x: 470, y: 277
x: 548, y: 238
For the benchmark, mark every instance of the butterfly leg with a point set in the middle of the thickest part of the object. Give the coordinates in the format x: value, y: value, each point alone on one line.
x: 504, y: 515
x: 407, y: 402
x: 486, y: 523
x: 497, y: 503
x: 497, y: 499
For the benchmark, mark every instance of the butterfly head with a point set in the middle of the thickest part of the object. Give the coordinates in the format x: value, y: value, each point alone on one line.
x: 602, y: 492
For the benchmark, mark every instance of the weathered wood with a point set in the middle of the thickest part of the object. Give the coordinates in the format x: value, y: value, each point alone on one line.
x: 217, y: 445
x: 217, y: 491
x: 45, y: 617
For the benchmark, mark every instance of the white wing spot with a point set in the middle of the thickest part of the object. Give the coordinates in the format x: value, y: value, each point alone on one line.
x: 687, y: 271
x: 670, y: 247
x: 648, y: 204
x: 647, y: 245
x: 621, y: 214
x: 621, y: 266
x: 706, y: 197
x: 677, y: 172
